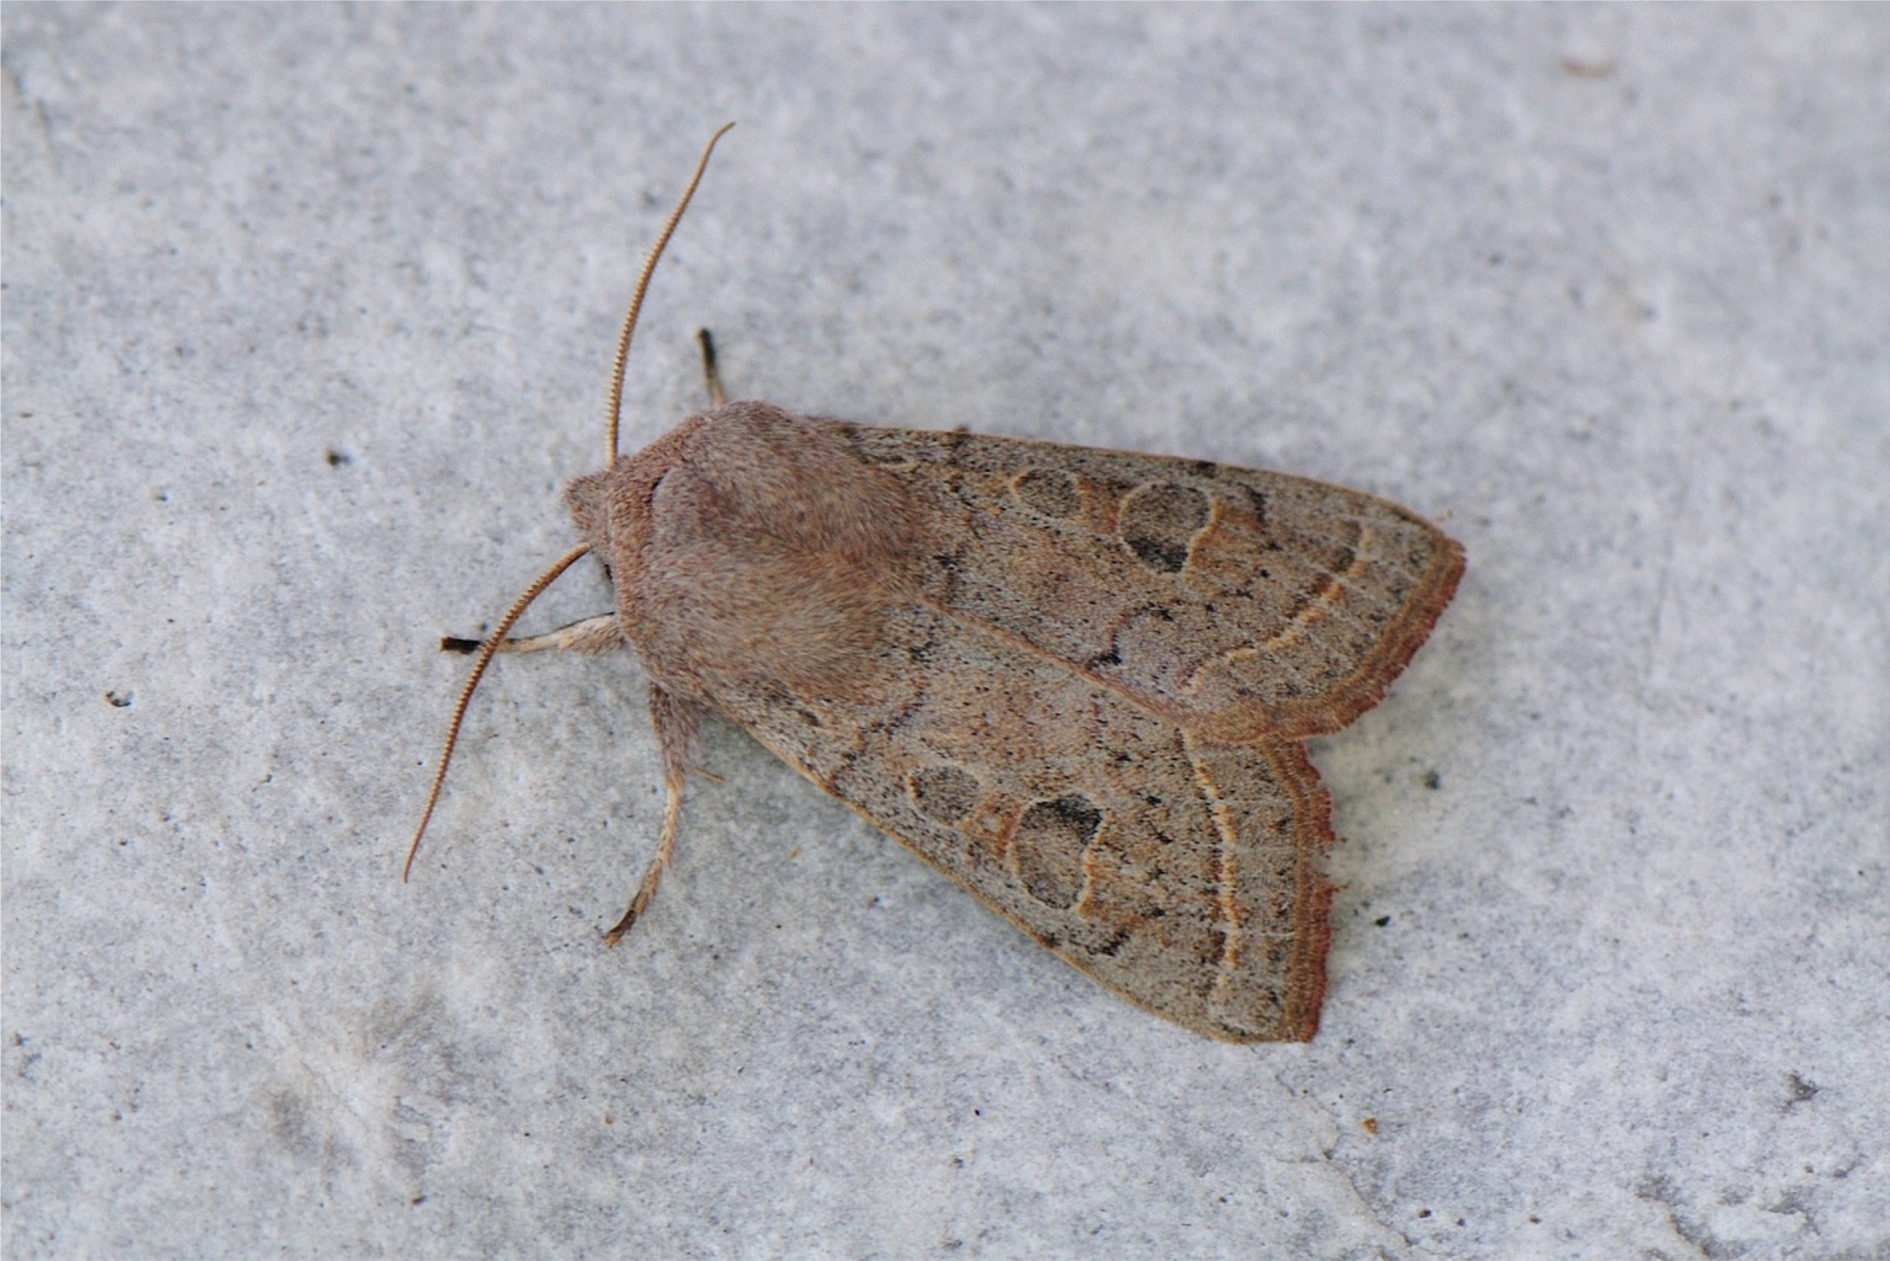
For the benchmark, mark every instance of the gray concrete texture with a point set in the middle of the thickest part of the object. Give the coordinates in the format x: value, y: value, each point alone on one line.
x: 308, y: 314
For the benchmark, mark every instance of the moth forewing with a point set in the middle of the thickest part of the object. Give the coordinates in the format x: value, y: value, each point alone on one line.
x: 1066, y: 723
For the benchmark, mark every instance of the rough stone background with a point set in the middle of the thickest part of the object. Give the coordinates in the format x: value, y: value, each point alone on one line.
x: 308, y: 314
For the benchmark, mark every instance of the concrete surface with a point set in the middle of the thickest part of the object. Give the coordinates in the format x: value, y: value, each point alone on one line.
x: 308, y: 313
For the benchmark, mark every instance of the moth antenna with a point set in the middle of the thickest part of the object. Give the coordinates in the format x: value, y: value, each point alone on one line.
x: 486, y: 651
x: 615, y: 410
x: 711, y: 375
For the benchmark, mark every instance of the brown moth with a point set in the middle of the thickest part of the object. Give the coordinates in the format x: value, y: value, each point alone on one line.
x: 1077, y: 682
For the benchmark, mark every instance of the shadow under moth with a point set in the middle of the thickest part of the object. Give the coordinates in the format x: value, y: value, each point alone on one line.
x: 1078, y: 682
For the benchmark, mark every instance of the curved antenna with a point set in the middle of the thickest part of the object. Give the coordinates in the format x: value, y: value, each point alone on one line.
x: 489, y: 647
x: 615, y: 410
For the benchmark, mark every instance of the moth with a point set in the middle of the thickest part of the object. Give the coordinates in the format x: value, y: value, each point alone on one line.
x: 1078, y: 682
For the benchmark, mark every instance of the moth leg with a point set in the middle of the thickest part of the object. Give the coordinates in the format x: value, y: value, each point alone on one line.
x: 593, y: 634
x: 665, y: 850
x: 675, y: 719
x: 711, y: 376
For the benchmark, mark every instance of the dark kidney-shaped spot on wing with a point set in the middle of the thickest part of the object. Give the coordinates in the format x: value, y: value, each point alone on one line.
x: 1049, y: 843
x: 1159, y: 521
